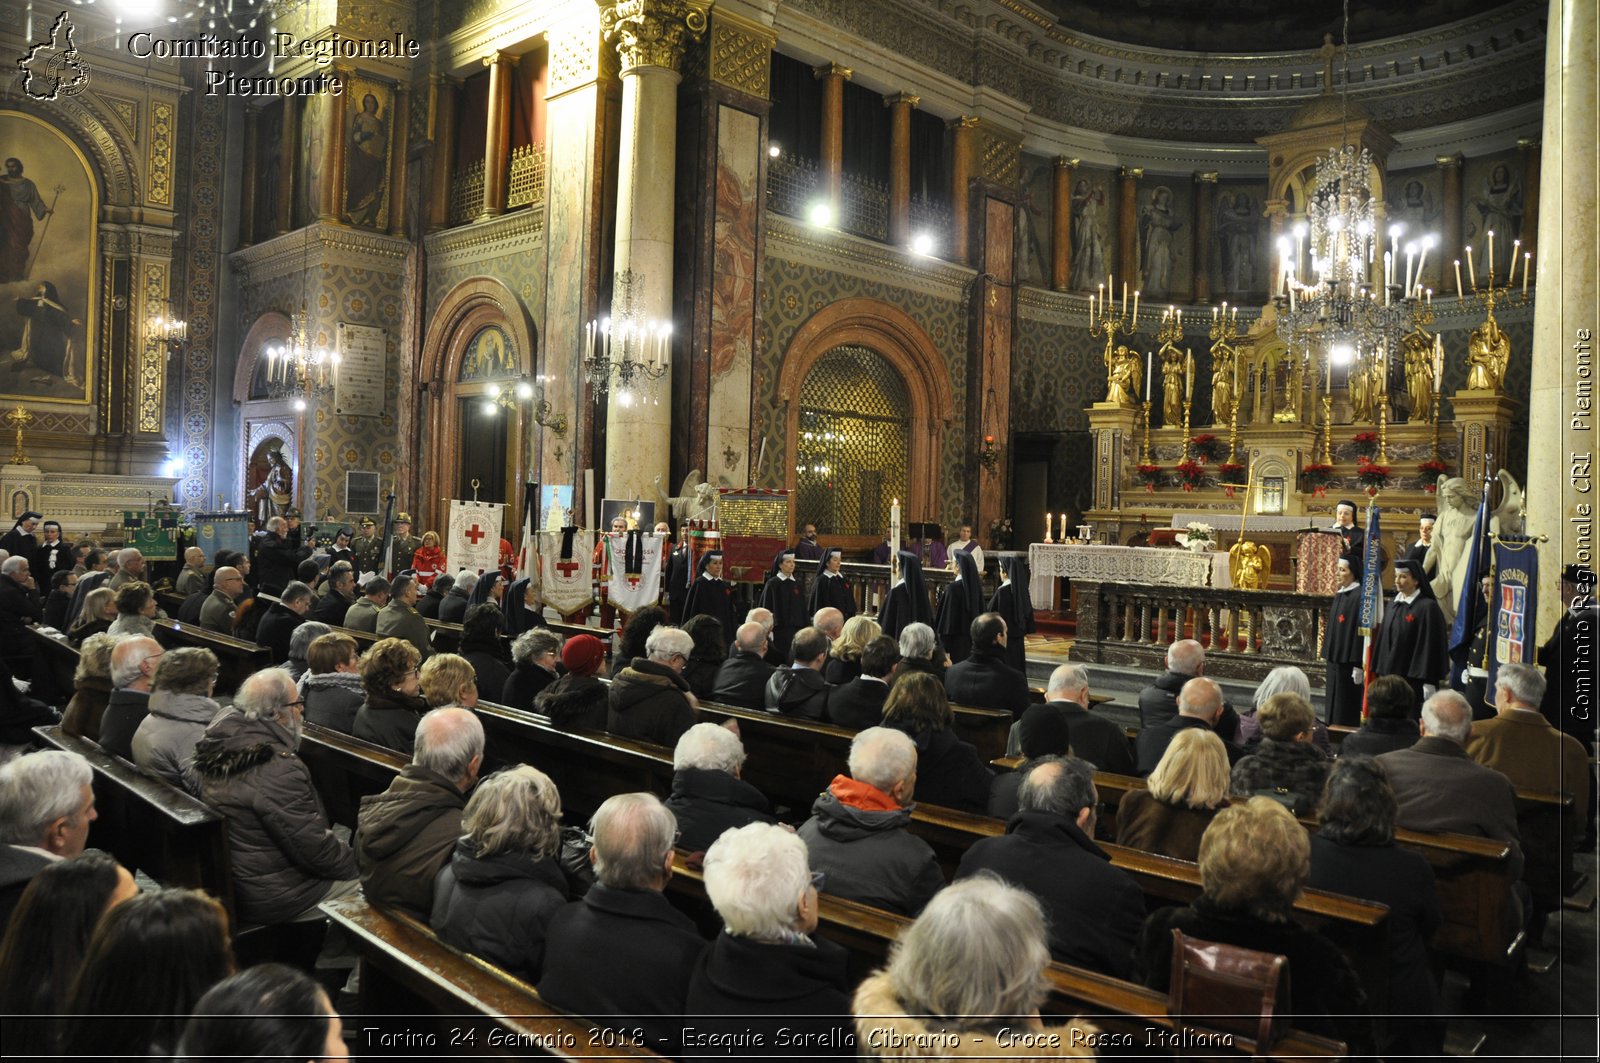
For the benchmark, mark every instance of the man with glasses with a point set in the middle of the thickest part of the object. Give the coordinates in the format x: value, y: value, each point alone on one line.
x: 218, y: 612
x: 133, y: 668
x: 286, y: 857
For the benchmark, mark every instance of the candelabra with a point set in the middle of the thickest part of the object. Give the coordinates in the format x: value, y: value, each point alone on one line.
x: 1225, y: 364
x: 634, y: 350
x: 1144, y: 453
x: 1488, y: 350
x: 528, y: 391
x: 1120, y: 368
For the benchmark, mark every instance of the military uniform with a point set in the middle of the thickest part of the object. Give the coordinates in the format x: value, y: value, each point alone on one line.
x: 364, y: 551
x: 405, y: 546
x: 217, y: 613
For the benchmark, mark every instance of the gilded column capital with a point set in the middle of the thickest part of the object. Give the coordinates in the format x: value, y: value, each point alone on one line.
x: 966, y: 121
x: 1447, y: 162
x: 503, y: 58
x: 827, y: 70
x: 902, y: 97
x: 1133, y: 173
x: 1209, y: 177
x: 653, y: 32
x: 1528, y: 143
x: 1065, y: 163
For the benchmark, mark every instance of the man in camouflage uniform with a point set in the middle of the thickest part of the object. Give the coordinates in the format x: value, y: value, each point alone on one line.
x: 405, y: 544
x: 364, y: 551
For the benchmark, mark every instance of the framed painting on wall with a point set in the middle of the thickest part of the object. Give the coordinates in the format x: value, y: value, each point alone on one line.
x: 49, y: 203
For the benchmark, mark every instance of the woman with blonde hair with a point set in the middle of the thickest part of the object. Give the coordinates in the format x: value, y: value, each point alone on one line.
x: 1254, y: 860
x: 495, y: 896
x: 966, y: 979
x: 91, y: 688
x: 449, y: 679
x: 844, y: 656
x: 1181, y: 796
x: 97, y: 615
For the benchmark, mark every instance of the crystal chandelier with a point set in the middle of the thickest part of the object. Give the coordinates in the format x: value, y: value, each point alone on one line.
x: 297, y: 368
x: 635, y: 351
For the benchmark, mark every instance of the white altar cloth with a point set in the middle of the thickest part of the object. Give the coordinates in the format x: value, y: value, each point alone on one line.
x: 1122, y: 564
x: 1229, y: 522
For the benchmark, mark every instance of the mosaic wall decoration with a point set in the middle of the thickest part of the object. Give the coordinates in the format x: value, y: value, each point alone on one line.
x: 791, y: 294
x: 206, y: 372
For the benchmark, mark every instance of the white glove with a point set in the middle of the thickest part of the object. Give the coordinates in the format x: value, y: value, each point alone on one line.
x: 1428, y: 691
x: 1356, y: 676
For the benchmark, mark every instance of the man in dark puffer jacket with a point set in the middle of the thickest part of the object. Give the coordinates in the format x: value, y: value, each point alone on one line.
x: 708, y: 797
x: 650, y: 700
x: 405, y: 834
x: 1285, y: 760
x: 286, y: 859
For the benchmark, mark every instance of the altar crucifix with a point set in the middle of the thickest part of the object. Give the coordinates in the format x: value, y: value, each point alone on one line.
x: 19, y: 419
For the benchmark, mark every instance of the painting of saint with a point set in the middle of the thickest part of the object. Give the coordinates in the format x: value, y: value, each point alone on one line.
x: 1157, y: 227
x: 49, y: 263
x: 1089, y: 239
x: 367, y: 156
x: 1238, y: 234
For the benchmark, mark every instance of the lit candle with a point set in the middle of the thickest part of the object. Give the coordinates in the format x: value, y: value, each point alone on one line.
x: 1472, y: 270
x: 1490, y: 260
x: 1063, y: 535
x: 1136, y: 306
x: 1527, y: 267
x: 1410, y: 263
x: 1188, y: 374
x: 1388, y: 269
x: 1422, y: 257
x: 1438, y: 363
x: 1516, y: 251
x: 1180, y: 320
x: 1149, y: 372
x: 1458, y: 280
x: 1214, y: 311
x: 1049, y: 523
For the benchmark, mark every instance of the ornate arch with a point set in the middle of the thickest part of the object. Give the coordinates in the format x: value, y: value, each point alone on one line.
x: 268, y: 328
x: 890, y: 332
x: 466, y: 308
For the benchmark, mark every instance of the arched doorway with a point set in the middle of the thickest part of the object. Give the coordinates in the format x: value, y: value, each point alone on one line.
x: 268, y: 423
x: 488, y: 373
x: 905, y: 368
x: 854, y: 443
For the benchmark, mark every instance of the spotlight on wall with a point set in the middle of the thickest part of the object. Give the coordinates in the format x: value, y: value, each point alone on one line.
x: 922, y: 243
x: 175, y: 465
x: 299, y: 405
x: 774, y: 149
x: 820, y: 215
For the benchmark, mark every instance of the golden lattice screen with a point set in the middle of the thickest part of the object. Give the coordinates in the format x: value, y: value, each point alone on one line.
x: 851, y: 451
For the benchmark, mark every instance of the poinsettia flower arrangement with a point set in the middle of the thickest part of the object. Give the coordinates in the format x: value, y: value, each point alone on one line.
x: 1366, y: 443
x: 1149, y: 475
x: 1191, y: 474
x: 1317, y: 477
x: 1206, y: 447
x: 1430, y: 471
x: 1372, y: 475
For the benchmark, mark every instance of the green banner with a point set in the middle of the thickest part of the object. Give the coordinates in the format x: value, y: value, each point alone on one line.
x: 156, y: 535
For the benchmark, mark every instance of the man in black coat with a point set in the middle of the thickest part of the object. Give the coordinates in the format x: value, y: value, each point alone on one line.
x: 278, y: 554
x: 276, y: 629
x: 708, y: 796
x: 428, y: 604
x: 1094, y: 911
x: 984, y: 680
x: 1199, y: 705
x: 20, y: 606
x: 742, y: 678
x: 340, y: 597
x: 858, y: 704
x: 1158, y: 702
x: 1092, y: 738
x: 649, y: 948
x: 800, y: 690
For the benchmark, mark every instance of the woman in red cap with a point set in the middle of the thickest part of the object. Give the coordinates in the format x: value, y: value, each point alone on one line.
x: 577, y: 701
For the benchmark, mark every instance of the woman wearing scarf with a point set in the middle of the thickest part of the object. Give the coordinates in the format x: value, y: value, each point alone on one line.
x: 959, y: 606
x: 1013, y: 602
x: 907, y: 602
x: 829, y: 588
x: 521, y: 606
x: 491, y: 588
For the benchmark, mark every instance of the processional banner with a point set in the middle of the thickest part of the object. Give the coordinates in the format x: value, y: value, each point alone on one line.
x: 221, y: 531
x: 566, y: 574
x: 1513, y: 603
x: 635, y: 567
x: 474, y: 536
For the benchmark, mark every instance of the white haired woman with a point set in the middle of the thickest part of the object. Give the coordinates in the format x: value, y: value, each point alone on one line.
x: 765, y: 971
x: 708, y: 796
x: 966, y: 979
x: 650, y: 699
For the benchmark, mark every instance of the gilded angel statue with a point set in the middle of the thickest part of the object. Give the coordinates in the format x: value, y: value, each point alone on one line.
x: 1124, y: 376
x: 1249, y: 565
x: 1488, y: 351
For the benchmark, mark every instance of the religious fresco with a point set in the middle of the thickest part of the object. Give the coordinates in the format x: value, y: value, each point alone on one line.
x: 733, y: 296
x: 1094, y: 228
x: 269, y: 165
x: 1165, y: 235
x: 314, y: 123
x: 48, y: 264
x: 1416, y: 200
x: 368, y: 123
x: 1492, y: 198
x: 490, y: 355
x: 1036, y: 221
x: 1241, y: 258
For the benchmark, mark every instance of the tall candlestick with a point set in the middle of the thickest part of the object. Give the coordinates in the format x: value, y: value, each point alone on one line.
x: 1049, y: 523
x: 1472, y: 270
x: 1136, y: 306
x: 1188, y: 374
x: 1527, y: 267
x: 1459, y: 294
x: 1516, y: 252
x: 1149, y: 372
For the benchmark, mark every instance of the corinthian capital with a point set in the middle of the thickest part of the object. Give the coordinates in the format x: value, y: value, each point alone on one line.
x: 653, y: 32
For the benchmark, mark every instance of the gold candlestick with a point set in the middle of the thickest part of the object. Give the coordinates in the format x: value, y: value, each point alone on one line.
x: 1122, y: 364
x: 1383, y: 406
x: 1144, y: 455
x: 19, y: 419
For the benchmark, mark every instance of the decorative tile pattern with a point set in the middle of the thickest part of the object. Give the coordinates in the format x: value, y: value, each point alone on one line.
x: 161, y: 136
x: 194, y: 284
x: 740, y: 58
x: 151, y: 357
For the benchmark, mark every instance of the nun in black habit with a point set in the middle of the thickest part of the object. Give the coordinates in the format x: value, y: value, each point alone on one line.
x: 1013, y: 602
x: 485, y: 592
x: 907, y: 602
x: 830, y: 587
x: 959, y: 606
x: 710, y: 593
x: 1342, y: 647
x: 783, y: 596
x: 1414, y: 640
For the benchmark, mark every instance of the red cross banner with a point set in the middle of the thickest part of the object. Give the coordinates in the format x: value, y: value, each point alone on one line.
x: 567, y: 582
x: 632, y: 588
x: 474, y: 541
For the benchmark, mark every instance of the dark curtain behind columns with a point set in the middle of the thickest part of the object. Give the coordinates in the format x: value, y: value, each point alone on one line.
x: 795, y: 124
x: 930, y: 159
x: 866, y: 134
x: 472, y: 120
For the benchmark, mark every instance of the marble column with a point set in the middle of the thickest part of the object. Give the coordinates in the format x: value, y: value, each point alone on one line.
x: 442, y: 131
x: 650, y: 37
x: 247, y: 195
x: 962, y: 132
x: 900, y: 106
x: 833, y: 76
x: 1562, y: 495
x: 332, y: 204
x: 288, y: 151
x: 497, y: 135
x: 1128, y: 211
x: 1450, y: 220
x: 1530, y: 197
x: 1061, y: 207
x: 398, y: 141
x: 1205, y: 211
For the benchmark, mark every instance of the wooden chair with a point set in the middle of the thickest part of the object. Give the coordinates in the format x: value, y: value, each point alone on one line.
x: 1226, y: 994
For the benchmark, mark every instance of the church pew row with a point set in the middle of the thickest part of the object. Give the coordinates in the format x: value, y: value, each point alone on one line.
x: 150, y: 825
x: 57, y: 663
x: 418, y: 995
x: 237, y: 658
x: 1113, y: 1005
x: 589, y: 768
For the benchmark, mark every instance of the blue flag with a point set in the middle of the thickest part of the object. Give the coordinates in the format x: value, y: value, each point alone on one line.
x: 1372, y: 575
x: 1469, y: 599
x: 1513, y: 604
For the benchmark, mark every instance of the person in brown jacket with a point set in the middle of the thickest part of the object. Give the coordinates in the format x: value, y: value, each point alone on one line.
x: 405, y: 834
x: 1188, y: 787
x: 92, y: 688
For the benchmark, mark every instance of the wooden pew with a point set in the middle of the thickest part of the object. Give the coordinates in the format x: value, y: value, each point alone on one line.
x: 345, y: 769
x: 419, y: 995
x: 150, y: 825
x: 237, y: 658
x: 365, y: 640
x: 1113, y: 1005
x: 987, y: 730
x: 57, y: 665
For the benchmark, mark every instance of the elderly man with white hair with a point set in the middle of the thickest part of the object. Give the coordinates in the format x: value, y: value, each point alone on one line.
x: 286, y: 858
x: 623, y: 954
x: 134, y: 661
x: 708, y: 796
x: 20, y: 605
x: 1158, y: 702
x: 765, y: 972
x: 46, y: 806
x: 857, y: 831
x: 130, y: 567
x: 1439, y: 788
x: 1200, y: 704
x: 650, y: 700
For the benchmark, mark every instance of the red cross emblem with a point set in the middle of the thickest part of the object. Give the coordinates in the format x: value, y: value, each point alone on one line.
x: 1341, y: 618
x: 1410, y: 617
x: 475, y: 534
x: 566, y: 568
